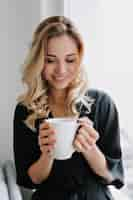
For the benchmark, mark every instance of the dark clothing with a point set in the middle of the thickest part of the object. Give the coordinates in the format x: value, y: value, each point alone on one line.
x: 72, y: 179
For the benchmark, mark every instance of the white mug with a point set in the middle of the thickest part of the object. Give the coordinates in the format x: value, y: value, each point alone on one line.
x: 65, y: 130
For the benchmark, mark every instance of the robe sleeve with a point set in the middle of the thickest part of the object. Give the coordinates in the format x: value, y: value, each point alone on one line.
x: 25, y: 147
x: 109, y: 141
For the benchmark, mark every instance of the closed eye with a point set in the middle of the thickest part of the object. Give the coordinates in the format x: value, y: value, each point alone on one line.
x: 52, y: 61
x: 70, y: 61
x: 49, y: 61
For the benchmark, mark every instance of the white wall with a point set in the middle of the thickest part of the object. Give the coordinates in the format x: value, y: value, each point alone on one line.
x: 3, y: 78
x: 50, y: 7
x: 17, y: 20
x: 107, y: 30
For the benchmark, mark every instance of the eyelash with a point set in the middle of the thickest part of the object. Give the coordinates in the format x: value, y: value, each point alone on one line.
x: 52, y: 61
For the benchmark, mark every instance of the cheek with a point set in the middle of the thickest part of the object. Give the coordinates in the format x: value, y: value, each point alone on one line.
x: 73, y: 70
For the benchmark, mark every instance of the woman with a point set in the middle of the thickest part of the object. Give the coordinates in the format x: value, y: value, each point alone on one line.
x: 57, y: 86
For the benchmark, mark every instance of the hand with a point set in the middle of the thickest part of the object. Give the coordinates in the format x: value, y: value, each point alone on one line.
x: 46, y: 138
x: 86, y: 137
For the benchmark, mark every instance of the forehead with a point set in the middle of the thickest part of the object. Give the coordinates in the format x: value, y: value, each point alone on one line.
x: 62, y: 44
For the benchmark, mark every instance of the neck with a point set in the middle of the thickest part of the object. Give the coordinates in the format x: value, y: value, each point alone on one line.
x: 57, y: 97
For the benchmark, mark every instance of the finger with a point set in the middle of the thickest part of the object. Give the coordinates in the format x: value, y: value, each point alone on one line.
x: 86, y: 124
x: 46, y: 148
x: 46, y: 137
x: 46, y: 140
x: 84, y: 137
x: 86, y: 119
x: 87, y: 130
x: 91, y: 140
x: 77, y: 146
x: 51, y: 147
x: 82, y: 144
x: 43, y: 133
x: 50, y: 153
x: 44, y: 125
x: 91, y: 131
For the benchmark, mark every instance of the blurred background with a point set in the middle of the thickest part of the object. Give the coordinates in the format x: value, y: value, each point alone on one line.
x: 107, y: 31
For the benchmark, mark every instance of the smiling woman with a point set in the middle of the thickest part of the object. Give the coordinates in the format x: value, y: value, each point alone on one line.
x: 57, y: 86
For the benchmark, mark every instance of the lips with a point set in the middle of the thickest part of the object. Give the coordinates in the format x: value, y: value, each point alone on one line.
x: 59, y: 77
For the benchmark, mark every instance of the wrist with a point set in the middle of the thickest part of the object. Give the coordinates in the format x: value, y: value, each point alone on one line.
x: 98, y: 163
x: 46, y: 158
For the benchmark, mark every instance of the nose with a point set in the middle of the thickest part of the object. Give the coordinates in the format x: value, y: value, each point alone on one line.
x: 60, y: 69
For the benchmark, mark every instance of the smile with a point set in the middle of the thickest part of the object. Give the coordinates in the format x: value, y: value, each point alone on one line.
x: 59, y: 77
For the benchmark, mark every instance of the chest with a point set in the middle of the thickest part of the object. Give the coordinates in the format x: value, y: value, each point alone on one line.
x: 58, y: 111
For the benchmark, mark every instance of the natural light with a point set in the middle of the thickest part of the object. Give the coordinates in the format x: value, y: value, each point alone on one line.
x: 107, y: 30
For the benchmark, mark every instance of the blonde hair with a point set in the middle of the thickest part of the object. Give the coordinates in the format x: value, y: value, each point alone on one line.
x: 36, y: 96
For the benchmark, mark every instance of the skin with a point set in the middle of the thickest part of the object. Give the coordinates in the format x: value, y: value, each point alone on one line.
x: 63, y: 60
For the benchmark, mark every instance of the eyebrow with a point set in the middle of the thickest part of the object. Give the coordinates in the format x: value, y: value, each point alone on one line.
x: 52, y: 55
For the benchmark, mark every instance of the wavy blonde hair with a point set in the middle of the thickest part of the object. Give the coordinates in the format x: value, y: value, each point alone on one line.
x: 36, y: 96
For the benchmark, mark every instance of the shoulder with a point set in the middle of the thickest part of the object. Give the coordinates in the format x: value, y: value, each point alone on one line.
x: 99, y: 96
x: 21, y: 111
x: 103, y: 104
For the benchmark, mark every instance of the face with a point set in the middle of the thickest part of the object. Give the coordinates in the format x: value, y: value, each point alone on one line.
x: 61, y: 63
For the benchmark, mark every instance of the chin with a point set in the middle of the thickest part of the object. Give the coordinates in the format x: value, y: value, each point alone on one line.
x: 60, y: 87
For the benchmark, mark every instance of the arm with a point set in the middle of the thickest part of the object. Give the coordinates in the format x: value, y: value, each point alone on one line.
x: 104, y: 157
x: 31, y: 166
x: 98, y: 162
x: 40, y: 170
x: 85, y: 143
x: 110, y: 143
